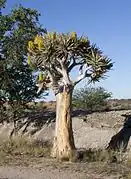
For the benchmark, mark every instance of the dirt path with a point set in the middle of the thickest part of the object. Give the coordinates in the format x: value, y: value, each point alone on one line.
x: 30, y: 173
x: 51, y: 169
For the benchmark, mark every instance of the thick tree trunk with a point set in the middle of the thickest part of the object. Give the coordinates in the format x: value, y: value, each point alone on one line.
x: 64, y: 147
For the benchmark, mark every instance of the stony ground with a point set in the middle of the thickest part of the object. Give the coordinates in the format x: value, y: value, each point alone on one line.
x: 96, y: 132
x: 51, y: 169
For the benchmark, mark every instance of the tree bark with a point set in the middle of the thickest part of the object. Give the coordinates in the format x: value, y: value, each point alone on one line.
x: 64, y: 147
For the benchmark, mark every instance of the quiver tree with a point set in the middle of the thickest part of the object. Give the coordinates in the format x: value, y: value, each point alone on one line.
x: 55, y: 55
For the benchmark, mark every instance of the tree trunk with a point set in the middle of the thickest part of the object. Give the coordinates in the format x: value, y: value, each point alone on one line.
x: 64, y: 147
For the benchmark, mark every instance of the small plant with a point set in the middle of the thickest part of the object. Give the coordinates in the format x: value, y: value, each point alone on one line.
x: 101, y: 155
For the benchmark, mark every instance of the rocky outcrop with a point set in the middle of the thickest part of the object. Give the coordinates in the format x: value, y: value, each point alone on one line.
x: 94, y: 132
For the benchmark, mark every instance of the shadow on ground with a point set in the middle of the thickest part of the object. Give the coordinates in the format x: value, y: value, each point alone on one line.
x: 38, y: 119
x: 120, y: 140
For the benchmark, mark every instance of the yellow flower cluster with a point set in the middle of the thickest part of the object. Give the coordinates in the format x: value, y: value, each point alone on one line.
x: 31, y: 45
x: 73, y: 35
x: 39, y: 41
x: 51, y: 36
x: 36, y: 40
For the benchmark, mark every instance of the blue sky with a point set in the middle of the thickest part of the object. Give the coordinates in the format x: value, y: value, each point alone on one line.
x: 106, y: 23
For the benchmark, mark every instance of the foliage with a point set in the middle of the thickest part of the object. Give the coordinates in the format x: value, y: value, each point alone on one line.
x: 57, y: 54
x: 17, y: 82
x: 11, y: 111
x: 90, y: 98
x: 17, y: 28
x: 2, y: 4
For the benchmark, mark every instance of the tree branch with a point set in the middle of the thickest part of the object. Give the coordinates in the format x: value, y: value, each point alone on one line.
x: 64, y: 70
x: 74, y: 63
x: 51, y: 76
x: 45, y: 67
x: 57, y: 69
x: 83, y: 75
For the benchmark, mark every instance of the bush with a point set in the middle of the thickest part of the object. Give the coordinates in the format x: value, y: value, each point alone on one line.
x: 92, y: 99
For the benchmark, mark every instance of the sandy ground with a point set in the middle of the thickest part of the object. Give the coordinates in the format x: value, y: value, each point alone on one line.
x: 87, y: 135
x: 66, y: 172
x: 29, y: 173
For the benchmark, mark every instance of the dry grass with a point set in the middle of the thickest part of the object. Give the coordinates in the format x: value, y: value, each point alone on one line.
x: 129, y: 176
x: 21, y: 151
x: 93, y: 155
x: 20, y: 147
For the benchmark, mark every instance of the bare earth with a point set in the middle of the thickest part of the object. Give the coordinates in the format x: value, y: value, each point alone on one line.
x: 47, y: 170
x: 29, y: 173
x: 96, y: 133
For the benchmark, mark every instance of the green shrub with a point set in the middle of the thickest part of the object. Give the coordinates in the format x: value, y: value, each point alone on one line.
x: 94, y: 99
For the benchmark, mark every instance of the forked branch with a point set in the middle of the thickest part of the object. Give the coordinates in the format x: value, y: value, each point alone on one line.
x: 83, y: 74
x: 74, y: 64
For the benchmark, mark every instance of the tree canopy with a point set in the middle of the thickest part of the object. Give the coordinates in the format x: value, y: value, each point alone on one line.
x: 17, y: 81
x: 56, y: 54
